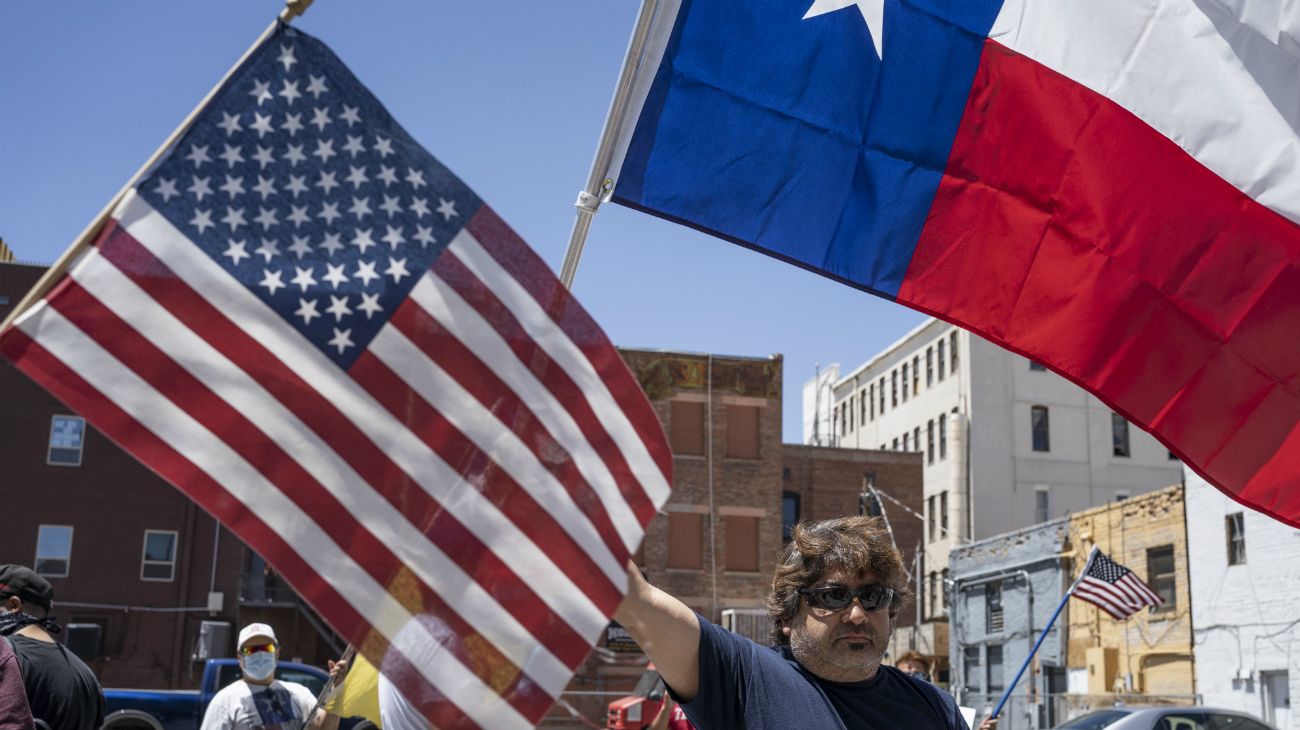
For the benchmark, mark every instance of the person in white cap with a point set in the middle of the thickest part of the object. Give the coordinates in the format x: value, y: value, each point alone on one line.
x: 260, y: 701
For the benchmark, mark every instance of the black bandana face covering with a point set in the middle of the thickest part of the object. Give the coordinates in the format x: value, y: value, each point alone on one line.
x: 11, y: 622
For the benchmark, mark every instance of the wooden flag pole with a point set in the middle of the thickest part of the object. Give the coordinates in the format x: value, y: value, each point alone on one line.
x: 598, y: 182
x: 292, y: 9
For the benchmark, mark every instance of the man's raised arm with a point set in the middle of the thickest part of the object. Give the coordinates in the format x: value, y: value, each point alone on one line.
x: 667, y: 631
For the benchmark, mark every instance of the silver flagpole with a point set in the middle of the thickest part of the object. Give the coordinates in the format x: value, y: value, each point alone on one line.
x: 598, y: 182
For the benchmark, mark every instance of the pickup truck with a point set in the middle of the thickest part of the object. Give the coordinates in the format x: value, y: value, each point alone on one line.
x: 152, y: 709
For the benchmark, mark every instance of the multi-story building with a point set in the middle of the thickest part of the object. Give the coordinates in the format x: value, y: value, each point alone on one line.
x: 1006, y: 588
x: 1006, y: 443
x: 145, y: 582
x: 1245, y: 574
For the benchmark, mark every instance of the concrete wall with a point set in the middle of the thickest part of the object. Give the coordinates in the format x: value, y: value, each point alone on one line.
x: 1246, y: 616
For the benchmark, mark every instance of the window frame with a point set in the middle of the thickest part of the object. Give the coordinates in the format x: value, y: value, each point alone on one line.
x: 1157, y: 580
x: 943, y: 436
x: 67, y: 560
x: 1234, y: 526
x: 80, y: 448
x: 1034, y: 430
x: 1120, y: 445
x: 145, y: 561
x: 929, y: 441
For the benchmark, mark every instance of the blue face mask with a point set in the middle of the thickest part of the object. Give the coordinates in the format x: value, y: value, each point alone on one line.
x: 260, y: 666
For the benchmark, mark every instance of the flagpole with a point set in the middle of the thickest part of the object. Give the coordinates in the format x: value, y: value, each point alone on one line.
x: 292, y: 9
x: 598, y: 182
x: 1006, y: 694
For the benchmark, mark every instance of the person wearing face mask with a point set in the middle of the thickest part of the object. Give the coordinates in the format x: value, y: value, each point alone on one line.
x: 61, y: 690
x: 836, y: 593
x: 260, y: 701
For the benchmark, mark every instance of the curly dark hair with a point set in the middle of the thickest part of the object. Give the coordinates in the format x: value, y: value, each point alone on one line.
x: 843, y: 545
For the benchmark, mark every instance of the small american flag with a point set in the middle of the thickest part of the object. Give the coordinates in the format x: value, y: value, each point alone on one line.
x: 311, y: 327
x: 1114, y: 588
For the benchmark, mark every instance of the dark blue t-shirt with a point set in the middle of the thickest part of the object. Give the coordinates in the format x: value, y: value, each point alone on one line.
x: 744, y: 685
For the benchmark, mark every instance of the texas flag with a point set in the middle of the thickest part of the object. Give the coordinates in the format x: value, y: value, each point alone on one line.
x: 1110, y: 187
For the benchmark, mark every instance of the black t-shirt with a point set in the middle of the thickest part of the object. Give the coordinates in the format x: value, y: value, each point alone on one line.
x: 744, y: 685
x: 61, y: 689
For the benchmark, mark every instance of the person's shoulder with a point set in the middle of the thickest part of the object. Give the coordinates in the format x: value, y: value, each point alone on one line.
x: 299, y: 691
x: 232, y: 691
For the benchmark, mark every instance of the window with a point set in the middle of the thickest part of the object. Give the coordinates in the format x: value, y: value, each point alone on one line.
x: 53, y: 550
x: 916, y: 375
x: 916, y: 438
x: 872, y: 392
x: 686, y: 427
x: 929, y: 441
x: 893, y: 389
x: 1236, y: 529
x: 907, y: 442
x: 685, y: 540
x: 929, y: 366
x: 1121, y: 495
x: 1035, y: 365
x: 943, y: 590
x: 869, y: 505
x: 940, y: 361
x: 1038, y: 422
x: 953, y: 365
x: 905, y: 387
x: 996, y: 682
x: 1160, y: 569
x: 971, y: 668
x: 932, y: 517
x: 851, y: 413
x: 862, y: 401
x: 159, y: 561
x: 881, y: 390
x: 742, y: 432
x: 1119, y: 435
x: 790, y: 509
x: 932, y: 594
x: 943, y: 436
x: 1173, y: 456
x: 67, y: 436
x: 1042, y: 505
x: 993, y: 608
x: 742, y: 543
x: 943, y: 514
x: 895, y: 443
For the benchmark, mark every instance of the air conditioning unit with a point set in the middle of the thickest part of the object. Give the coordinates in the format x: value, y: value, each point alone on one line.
x: 752, y: 623
x: 85, y: 640
x: 213, y: 641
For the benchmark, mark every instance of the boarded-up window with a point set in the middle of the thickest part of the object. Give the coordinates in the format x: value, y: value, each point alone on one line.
x: 685, y: 540
x: 687, y: 426
x: 742, y: 543
x: 742, y: 432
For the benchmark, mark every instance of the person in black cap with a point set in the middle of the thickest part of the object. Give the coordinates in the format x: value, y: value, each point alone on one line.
x: 61, y: 689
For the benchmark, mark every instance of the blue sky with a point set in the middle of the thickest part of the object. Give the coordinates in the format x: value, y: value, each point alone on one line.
x: 510, y: 96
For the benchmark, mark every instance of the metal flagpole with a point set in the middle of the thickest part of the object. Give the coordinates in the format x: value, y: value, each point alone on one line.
x: 598, y: 183
x: 1006, y: 694
x: 292, y: 9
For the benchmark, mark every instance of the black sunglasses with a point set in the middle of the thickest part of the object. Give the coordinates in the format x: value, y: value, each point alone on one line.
x: 873, y: 597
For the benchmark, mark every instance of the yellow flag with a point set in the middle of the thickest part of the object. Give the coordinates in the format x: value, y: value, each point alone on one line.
x: 359, y: 695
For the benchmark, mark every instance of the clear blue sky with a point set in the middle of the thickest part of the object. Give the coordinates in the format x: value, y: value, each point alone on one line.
x: 511, y: 96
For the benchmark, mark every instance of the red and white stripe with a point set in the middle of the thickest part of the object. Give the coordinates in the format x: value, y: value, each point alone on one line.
x: 1121, y: 599
x: 461, y: 514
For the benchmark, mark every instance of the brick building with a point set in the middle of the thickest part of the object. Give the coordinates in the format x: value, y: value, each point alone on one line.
x: 137, y: 568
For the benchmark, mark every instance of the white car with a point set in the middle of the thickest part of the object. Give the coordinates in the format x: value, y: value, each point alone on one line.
x: 1165, y: 718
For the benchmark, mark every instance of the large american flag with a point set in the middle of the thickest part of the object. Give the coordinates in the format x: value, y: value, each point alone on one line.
x: 1114, y: 588
x: 311, y: 327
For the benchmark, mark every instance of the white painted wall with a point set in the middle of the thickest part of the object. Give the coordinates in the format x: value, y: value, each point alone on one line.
x: 1245, y: 618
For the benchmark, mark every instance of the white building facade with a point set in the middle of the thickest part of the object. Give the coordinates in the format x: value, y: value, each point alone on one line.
x: 1244, y: 569
x: 1006, y: 442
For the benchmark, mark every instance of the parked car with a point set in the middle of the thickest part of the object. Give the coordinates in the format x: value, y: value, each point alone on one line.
x: 1165, y: 718
x: 155, y: 709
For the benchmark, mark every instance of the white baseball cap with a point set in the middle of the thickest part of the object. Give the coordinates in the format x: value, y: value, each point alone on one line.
x: 252, y: 631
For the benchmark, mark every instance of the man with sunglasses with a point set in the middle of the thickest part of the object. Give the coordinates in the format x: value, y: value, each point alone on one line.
x: 259, y: 700
x: 836, y: 593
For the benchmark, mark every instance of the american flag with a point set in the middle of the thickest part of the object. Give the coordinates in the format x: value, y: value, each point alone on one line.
x: 311, y: 327
x: 1114, y: 588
